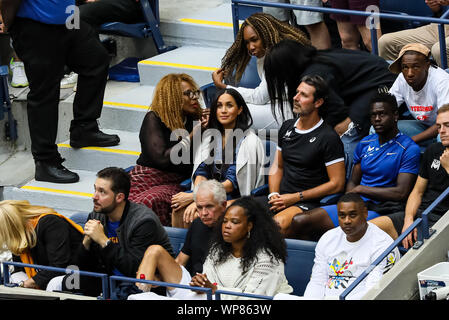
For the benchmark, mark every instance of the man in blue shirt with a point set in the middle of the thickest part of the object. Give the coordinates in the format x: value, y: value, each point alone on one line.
x: 386, y: 165
x: 47, y: 35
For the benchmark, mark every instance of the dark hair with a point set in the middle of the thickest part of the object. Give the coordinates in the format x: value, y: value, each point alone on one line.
x: 284, y: 64
x: 320, y: 85
x: 265, y: 235
x: 386, y: 98
x: 120, y: 179
x: 244, y: 119
x: 352, y: 197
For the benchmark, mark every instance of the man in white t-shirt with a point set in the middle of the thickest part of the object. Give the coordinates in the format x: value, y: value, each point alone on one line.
x: 423, y: 87
x: 343, y: 253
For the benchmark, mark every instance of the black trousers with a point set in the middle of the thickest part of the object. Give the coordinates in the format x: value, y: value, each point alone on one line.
x: 45, y: 49
x: 101, y: 11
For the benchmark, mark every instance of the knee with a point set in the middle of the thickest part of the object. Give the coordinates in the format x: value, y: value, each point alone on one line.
x: 153, y: 251
x: 348, y: 40
x: 300, y: 222
x: 435, y: 50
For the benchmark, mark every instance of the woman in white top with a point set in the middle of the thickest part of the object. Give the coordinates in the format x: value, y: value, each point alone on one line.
x: 247, y: 253
x: 230, y: 153
x: 257, y: 34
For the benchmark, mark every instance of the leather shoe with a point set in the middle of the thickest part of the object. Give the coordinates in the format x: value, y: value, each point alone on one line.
x: 51, y: 171
x: 93, y: 139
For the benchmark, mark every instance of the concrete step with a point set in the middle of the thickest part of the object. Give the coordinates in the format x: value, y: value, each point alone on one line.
x: 71, y: 197
x: 199, y: 62
x: 96, y: 158
x: 126, y: 111
x: 210, y: 27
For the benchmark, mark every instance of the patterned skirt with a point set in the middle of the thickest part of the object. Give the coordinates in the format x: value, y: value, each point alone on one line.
x: 155, y: 188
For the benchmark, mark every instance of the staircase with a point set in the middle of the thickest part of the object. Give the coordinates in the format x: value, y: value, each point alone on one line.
x: 202, y: 31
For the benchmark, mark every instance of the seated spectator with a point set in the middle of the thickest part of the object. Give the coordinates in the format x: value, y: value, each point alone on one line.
x: 353, y: 77
x: 157, y: 174
x: 343, y: 253
x: 423, y: 87
x: 257, y: 34
x: 230, y: 152
x: 390, y: 44
x: 385, y: 167
x: 247, y: 254
x: 309, y: 162
x: 117, y: 231
x: 351, y: 27
x: 158, y: 264
x: 312, y: 21
x: 432, y: 181
x: 37, y: 235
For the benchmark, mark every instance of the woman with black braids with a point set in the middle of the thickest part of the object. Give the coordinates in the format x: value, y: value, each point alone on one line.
x: 258, y: 33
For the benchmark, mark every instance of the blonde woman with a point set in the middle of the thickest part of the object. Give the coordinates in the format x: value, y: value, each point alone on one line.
x: 37, y: 235
x: 163, y: 162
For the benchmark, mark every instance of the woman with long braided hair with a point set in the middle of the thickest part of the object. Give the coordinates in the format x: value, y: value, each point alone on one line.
x: 258, y: 33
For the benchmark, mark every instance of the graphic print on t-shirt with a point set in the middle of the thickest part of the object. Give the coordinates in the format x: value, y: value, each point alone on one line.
x: 340, y: 274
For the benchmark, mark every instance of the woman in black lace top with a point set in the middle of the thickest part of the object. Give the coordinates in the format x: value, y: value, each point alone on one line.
x: 165, y: 135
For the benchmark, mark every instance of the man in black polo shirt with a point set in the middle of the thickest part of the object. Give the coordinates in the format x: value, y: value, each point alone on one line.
x: 433, y: 179
x: 309, y: 162
x: 158, y: 264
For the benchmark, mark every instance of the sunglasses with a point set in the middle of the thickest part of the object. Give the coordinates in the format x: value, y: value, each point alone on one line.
x: 192, y: 94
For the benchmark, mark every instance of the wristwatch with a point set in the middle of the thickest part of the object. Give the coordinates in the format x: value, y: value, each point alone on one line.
x: 301, y: 196
x: 21, y: 284
x: 106, y: 243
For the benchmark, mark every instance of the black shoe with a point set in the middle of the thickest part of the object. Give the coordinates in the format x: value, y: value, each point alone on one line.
x: 52, y: 171
x: 93, y: 139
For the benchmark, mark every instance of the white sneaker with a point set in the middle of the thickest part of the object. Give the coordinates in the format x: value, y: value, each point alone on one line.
x: 69, y: 80
x: 19, y: 78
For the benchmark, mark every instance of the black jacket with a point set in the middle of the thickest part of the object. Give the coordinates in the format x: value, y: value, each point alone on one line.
x: 139, y: 228
x: 57, y: 242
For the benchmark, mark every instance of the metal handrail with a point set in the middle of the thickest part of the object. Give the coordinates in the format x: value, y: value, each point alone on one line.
x: 381, y: 15
x: 423, y: 234
x: 103, y: 276
x: 207, y: 291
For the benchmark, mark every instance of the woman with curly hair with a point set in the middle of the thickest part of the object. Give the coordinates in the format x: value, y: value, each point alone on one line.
x: 258, y: 33
x: 247, y: 253
x: 164, y: 163
x: 37, y: 235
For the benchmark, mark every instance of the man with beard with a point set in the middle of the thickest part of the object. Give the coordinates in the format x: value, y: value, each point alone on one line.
x: 386, y: 164
x: 309, y: 161
x: 117, y: 231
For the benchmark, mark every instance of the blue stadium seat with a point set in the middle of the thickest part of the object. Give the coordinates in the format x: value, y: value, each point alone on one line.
x: 298, y: 269
x: 250, y: 78
x: 177, y: 237
x: 409, y: 7
x: 148, y: 27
